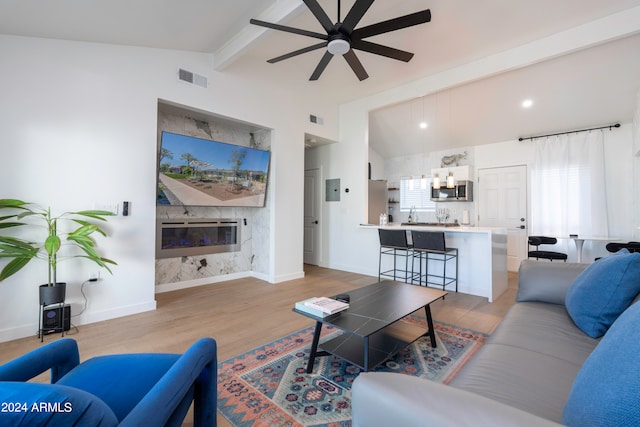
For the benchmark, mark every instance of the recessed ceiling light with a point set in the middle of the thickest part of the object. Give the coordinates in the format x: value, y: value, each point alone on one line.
x: 424, y: 125
x: 527, y: 103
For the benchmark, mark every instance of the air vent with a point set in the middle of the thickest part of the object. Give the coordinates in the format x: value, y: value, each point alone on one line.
x: 192, y: 78
x: 316, y: 119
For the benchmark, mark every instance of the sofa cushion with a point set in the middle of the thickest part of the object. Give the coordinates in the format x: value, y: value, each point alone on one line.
x: 605, y: 391
x: 603, y: 291
x: 35, y: 404
x: 530, y: 361
x: 530, y: 381
x: 544, y: 329
x: 546, y: 281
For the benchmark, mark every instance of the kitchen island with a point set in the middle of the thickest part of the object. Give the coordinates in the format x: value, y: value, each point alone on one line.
x: 482, y: 256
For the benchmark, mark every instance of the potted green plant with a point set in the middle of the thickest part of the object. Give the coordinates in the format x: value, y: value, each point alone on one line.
x: 21, y: 251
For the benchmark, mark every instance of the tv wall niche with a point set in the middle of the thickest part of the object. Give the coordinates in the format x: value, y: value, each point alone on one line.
x: 254, y: 256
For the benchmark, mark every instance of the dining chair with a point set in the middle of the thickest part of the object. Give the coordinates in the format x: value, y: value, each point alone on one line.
x: 536, y: 241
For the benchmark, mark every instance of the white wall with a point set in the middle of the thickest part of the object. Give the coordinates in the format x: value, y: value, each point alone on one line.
x: 347, y: 247
x: 378, y: 168
x: 78, y: 126
x: 636, y: 163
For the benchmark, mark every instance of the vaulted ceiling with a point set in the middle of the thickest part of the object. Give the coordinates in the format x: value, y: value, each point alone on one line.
x: 585, y: 89
x: 581, y: 89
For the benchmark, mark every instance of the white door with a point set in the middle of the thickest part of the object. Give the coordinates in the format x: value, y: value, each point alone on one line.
x: 312, y: 194
x: 502, y: 202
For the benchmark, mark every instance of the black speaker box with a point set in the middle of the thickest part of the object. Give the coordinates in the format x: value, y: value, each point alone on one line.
x: 52, y: 319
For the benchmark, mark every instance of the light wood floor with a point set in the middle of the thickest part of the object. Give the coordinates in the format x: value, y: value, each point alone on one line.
x: 243, y: 314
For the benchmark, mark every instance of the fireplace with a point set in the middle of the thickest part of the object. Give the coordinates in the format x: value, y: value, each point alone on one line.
x: 187, y: 237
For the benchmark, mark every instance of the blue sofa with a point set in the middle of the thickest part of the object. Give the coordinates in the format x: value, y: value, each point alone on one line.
x: 150, y: 389
x: 565, y: 353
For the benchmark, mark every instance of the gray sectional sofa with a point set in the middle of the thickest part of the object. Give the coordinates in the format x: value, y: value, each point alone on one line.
x: 536, y: 363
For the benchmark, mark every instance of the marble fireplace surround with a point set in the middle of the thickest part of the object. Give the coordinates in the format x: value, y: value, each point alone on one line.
x: 253, y: 258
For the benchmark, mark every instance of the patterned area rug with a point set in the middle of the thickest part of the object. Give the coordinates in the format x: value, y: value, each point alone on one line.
x: 268, y: 386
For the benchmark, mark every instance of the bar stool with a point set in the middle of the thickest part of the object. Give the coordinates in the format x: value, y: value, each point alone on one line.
x: 394, y: 243
x: 431, y: 246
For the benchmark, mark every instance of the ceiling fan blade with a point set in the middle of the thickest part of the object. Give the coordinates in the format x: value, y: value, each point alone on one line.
x: 297, y: 52
x: 355, y: 15
x: 393, y: 24
x: 321, y: 66
x: 379, y: 49
x: 356, y: 65
x: 320, y: 14
x: 289, y: 29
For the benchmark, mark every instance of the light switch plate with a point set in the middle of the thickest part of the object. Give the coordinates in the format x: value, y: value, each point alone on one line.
x: 109, y: 207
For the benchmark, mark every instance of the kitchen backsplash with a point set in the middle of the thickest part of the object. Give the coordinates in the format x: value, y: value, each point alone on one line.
x: 397, y: 168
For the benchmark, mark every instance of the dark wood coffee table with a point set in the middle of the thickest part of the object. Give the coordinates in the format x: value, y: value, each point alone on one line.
x: 373, y: 329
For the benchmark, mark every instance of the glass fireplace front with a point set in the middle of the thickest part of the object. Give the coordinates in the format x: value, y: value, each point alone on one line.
x: 187, y: 237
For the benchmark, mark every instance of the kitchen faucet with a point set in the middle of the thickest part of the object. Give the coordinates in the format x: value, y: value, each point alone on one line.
x: 412, y: 213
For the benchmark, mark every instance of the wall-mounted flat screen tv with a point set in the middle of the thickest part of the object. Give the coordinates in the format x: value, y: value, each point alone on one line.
x: 199, y: 172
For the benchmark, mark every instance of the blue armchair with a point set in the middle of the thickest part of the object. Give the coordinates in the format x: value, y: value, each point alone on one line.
x: 149, y: 389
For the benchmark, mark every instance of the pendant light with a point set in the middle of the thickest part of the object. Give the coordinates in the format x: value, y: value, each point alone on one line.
x: 436, y: 182
x: 423, y: 122
x: 450, y: 181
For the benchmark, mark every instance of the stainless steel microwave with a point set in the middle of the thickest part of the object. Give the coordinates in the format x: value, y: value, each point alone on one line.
x: 461, y: 192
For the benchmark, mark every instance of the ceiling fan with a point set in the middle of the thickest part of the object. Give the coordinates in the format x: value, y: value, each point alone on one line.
x: 342, y: 37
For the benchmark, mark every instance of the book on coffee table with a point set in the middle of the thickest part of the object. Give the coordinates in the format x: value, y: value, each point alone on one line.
x: 326, y: 305
x: 300, y: 306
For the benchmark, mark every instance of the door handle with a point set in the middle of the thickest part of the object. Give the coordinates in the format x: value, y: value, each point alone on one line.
x: 522, y: 227
x: 315, y: 222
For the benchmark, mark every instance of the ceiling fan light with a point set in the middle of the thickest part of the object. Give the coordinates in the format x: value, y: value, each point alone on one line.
x: 338, y: 47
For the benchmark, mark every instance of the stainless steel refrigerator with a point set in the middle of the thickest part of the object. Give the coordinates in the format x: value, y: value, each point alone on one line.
x: 378, y: 199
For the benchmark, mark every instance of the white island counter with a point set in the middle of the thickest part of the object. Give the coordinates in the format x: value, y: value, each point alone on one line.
x: 482, y: 256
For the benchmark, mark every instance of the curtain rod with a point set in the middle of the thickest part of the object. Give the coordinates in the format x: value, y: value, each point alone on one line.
x: 617, y: 125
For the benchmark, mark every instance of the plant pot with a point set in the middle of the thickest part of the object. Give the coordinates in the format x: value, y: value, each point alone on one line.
x: 53, y: 294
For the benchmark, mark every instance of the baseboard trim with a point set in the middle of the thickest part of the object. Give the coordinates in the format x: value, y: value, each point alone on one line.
x: 350, y: 269
x: 99, y: 316
x: 19, y: 332
x: 167, y: 287
x: 261, y: 276
x: 287, y: 277
x: 31, y: 330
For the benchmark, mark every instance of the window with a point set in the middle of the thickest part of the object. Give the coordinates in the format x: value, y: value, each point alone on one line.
x: 568, y: 188
x: 414, y: 192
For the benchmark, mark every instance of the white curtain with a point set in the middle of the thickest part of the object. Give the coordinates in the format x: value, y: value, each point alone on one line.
x: 568, y: 189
